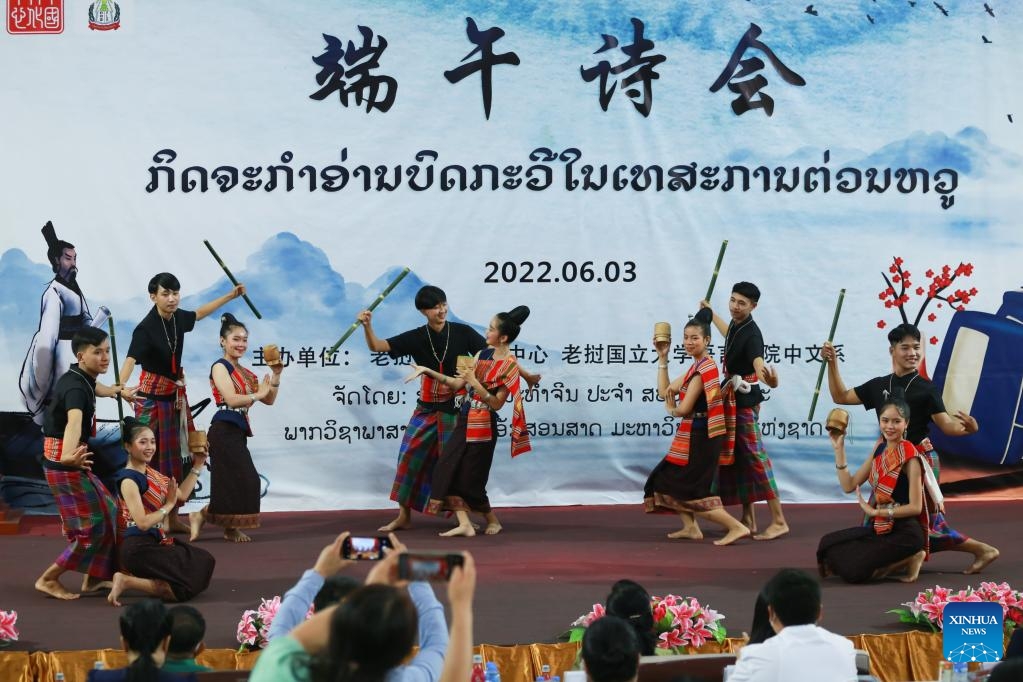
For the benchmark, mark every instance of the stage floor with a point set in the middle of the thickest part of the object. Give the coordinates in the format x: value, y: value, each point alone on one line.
x: 548, y: 566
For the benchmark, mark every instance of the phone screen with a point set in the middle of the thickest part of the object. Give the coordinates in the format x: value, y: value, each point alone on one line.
x: 364, y: 548
x: 427, y: 566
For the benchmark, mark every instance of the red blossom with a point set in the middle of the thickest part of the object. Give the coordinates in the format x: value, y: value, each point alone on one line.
x: 929, y: 273
x: 881, y: 324
x: 961, y: 308
x: 919, y: 291
x: 893, y: 269
x: 932, y: 317
x: 896, y: 278
x: 883, y: 295
x: 934, y: 340
x: 973, y: 291
x: 898, y: 261
x: 888, y: 304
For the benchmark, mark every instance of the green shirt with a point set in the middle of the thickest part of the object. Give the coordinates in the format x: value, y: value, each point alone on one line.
x: 277, y: 662
x: 185, y: 665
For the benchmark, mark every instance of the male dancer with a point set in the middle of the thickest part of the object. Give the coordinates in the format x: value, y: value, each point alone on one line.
x: 750, y: 478
x: 157, y: 345
x: 436, y: 345
x: 88, y: 513
x: 62, y: 312
x: 925, y: 406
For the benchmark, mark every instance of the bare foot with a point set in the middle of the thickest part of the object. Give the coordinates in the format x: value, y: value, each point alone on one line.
x: 466, y: 531
x: 196, y: 520
x: 403, y: 522
x: 493, y: 529
x: 235, y: 535
x: 750, y: 522
x: 686, y: 534
x: 116, y: 590
x: 775, y: 530
x: 90, y: 584
x: 986, y: 556
x: 732, y: 536
x: 913, y: 567
x: 54, y: 589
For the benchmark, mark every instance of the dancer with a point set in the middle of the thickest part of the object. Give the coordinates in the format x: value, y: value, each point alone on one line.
x: 750, y: 477
x: 157, y: 345
x: 436, y: 346
x: 235, y: 483
x: 460, y: 477
x: 150, y: 561
x: 895, y: 536
x: 88, y: 513
x: 685, y: 480
x: 926, y: 406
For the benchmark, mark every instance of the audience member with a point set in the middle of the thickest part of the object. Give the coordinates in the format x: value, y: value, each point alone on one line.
x: 369, y: 634
x: 631, y: 602
x: 760, y: 630
x: 1009, y: 670
x: 187, y: 630
x: 611, y: 651
x: 800, y: 650
x: 145, y: 636
x: 1014, y: 649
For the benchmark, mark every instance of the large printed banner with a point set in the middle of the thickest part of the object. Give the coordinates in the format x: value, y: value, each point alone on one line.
x: 584, y: 159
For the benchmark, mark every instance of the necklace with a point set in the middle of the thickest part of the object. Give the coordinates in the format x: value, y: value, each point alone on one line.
x: 447, y: 339
x: 86, y: 380
x: 732, y: 333
x: 905, y: 389
x: 173, y: 345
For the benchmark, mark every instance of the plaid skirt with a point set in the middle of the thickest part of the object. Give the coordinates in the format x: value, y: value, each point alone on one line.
x: 943, y: 537
x: 88, y: 515
x: 160, y: 412
x: 751, y: 478
x: 426, y: 435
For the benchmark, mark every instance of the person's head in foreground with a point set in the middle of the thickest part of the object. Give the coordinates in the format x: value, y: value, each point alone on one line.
x: 631, y: 602
x: 187, y: 630
x: 611, y: 651
x: 145, y: 635
x: 793, y: 598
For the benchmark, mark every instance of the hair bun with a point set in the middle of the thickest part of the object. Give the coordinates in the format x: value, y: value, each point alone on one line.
x: 228, y: 318
x: 704, y: 315
x: 518, y: 314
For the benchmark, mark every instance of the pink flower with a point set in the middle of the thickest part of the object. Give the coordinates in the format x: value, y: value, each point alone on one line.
x: 248, y: 633
x: 659, y: 612
x: 7, y: 630
x: 596, y: 613
x: 697, y: 633
x: 268, y: 609
x: 670, y: 640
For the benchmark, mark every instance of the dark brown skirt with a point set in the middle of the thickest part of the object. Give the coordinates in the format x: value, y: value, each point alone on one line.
x: 854, y: 554
x: 234, y: 481
x: 462, y: 471
x: 186, y: 568
x: 692, y: 487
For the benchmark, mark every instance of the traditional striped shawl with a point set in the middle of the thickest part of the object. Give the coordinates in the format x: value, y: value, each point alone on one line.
x: 494, y: 374
x: 885, y: 468
x: 678, y: 453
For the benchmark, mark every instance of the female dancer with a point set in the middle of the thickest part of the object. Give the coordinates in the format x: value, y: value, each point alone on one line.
x: 151, y: 562
x: 235, y: 484
x: 460, y: 476
x: 685, y: 481
x: 895, y: 535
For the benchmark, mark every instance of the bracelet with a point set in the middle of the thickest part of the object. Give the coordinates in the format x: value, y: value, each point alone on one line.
x: 197, y: 472
x: 840, y: 468
x: 891, y: 513
x: 273, y: 385
x: 662, y: 366
x: 163, y: 513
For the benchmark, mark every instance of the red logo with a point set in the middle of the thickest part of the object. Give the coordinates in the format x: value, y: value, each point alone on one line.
x: 35, y: 16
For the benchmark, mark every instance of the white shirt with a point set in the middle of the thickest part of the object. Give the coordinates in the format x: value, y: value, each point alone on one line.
x: 798, y: 652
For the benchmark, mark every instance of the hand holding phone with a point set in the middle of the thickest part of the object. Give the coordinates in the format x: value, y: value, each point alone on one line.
x: 430, y: 566
x: 361, y: 548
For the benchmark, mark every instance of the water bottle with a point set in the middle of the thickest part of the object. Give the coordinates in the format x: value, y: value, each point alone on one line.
x: 59, y: 677
x: 493, y: 673
x: 477, y: 669
x: 545, y: 670
x: 98, y: 665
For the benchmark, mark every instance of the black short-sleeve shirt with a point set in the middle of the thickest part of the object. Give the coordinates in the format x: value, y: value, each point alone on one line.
x: 75, y: 390
x: 463, y: 340
x: 743, y: 344
x: 154, y: 337
x: 922, y: 396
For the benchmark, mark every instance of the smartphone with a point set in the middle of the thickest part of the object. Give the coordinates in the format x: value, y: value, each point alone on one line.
x: 427, y: 566
x: 364, y: 548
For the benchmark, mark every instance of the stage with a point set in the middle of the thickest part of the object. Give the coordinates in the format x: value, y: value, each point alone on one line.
x: 545, y: 569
